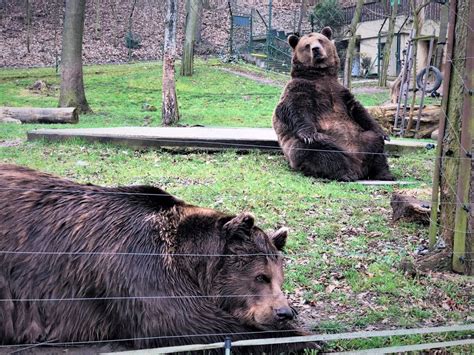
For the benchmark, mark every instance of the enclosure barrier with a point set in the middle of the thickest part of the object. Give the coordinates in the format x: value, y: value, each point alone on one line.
x: 325, y: 337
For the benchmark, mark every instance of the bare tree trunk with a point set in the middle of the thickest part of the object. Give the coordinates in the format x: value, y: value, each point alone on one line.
x: 72, y: 85
x: 418, y: 20
x: 198, y: 32
x: 387, y: 51
x: 443, y: 28
x: 352, y: 41
x: 116, y: 21
x: 169, y: 110
x: 130, y: 33
x: 28, y: 24
x: 97, y: 18
x: 302, y: 14
x: 192, y: 10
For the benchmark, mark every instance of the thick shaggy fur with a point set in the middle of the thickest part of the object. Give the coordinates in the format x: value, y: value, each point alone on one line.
x: 167, y: 292
x: 323, y: 131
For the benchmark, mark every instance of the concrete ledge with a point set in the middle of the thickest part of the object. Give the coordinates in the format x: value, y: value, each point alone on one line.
x: 242, y: 139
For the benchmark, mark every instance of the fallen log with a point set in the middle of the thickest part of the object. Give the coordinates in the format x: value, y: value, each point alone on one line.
x: 38, y: 115
x: 429, y: 121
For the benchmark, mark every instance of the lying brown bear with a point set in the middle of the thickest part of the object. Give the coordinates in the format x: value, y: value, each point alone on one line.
x: 323, y: 131
x: 89, y: 263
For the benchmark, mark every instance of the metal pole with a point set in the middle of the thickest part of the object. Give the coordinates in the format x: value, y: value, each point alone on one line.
x: 227, y: 346
x: 378, y: 47
x: 231, y: 29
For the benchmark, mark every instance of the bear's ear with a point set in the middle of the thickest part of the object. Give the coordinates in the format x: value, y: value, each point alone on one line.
x: 278, y: 238
x: 293, y: 40
x: 327, y: 32
x: 240, y: 225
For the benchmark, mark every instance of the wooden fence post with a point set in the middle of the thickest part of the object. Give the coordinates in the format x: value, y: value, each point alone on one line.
x: 464, y: 204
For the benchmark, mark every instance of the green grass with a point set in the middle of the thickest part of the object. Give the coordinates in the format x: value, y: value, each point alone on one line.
x: 116, y: 94
x: 343, y: 250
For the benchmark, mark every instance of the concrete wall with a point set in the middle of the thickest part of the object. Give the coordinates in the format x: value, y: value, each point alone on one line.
x: 368, y: 34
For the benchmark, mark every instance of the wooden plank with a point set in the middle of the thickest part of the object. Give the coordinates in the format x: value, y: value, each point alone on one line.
x: 243, y: 139
x: 384, y: 182
x: 303, y: 339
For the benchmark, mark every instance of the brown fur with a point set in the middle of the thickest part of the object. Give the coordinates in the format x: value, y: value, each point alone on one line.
x: 323, y: 131
x: 42, y: 213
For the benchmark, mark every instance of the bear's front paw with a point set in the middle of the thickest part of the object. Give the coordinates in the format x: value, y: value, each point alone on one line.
x: 307, y: 138
x: 386, y: 137
x: 349, y: 177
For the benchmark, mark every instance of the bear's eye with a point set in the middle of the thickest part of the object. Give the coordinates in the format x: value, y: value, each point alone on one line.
x: 262, y: 279
x: 307, y: 46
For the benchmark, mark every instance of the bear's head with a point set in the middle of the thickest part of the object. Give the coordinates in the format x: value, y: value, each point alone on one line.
x: 250, y: 277
x: 314, y: 53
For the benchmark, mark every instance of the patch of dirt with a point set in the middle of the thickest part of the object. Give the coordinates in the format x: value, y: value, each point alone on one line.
x: 41, y: 87
x: 10, y: 143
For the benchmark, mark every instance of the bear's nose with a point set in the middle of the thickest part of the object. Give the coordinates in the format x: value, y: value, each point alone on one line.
x: 284, y: 313
x: 316, y: 51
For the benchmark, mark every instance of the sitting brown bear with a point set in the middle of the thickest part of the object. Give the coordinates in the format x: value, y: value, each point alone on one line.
x: 132, y: 265
x: 323, y: 131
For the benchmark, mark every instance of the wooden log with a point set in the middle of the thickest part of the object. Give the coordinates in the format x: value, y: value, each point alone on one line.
x: 429, y: 121
x: 410, y: 209
x: 38, y: 115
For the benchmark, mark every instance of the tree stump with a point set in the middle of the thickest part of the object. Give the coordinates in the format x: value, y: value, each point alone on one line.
x: 410, y: 209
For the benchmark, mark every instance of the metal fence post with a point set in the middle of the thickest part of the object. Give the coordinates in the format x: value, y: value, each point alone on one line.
x: 227, y: 346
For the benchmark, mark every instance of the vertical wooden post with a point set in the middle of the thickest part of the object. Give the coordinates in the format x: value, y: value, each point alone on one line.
x: 469, y: 261
x: 433, y: 231
x: 464, y: 172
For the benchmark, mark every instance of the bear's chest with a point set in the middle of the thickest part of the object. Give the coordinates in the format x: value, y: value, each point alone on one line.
x: 331, y: 114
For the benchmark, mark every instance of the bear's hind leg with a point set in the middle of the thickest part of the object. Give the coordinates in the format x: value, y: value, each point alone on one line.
x: 324, y: 160
x: 380, y: 169
x: 376, y: 159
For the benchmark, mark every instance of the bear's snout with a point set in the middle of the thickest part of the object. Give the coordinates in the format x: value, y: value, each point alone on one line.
x: 318, y: 52
x: 284, y: 313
